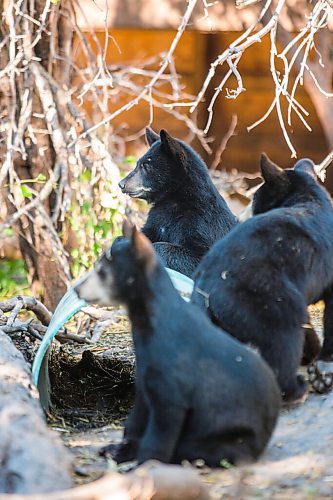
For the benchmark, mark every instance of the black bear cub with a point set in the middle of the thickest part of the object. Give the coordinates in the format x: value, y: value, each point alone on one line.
x: 256, y: 283
x: 200, y: 394
x: 188, y: 213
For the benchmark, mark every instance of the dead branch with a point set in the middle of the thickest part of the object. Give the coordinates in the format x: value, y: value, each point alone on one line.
x: 151, y: 481
x: 322, y: 167
x: 12, y: 324
x: 224, y: 142
x: 298, y: 49
x: 147, y: 90
x: 58, y: 141
x: 317, y: 79
x: 232, y: 56
x: 21, y: 327
x: 36, y: 201
x: 29, y: 304
x: 301, y: 44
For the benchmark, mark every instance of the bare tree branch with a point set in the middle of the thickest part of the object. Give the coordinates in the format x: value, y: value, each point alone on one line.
x: 224, y: 142
x: 164, y: 65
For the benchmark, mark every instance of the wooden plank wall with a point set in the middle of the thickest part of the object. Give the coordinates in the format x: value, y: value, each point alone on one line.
x: 193, y: 57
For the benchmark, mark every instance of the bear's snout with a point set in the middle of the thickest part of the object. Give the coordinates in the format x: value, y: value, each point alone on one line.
x: 131, y: 183
x: 122, y: 184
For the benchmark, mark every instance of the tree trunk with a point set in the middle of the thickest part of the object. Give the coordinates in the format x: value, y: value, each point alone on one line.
x: 32, y: 458
x: 33, y: 151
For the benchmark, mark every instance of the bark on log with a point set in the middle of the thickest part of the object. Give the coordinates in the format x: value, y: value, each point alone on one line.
x: 152, y: 481
x: 32, y: 459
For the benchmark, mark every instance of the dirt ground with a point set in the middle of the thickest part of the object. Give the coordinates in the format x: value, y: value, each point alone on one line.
x: 298, y: 462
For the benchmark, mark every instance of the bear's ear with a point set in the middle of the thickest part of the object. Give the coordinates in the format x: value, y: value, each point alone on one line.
x: 144, y: 250
x: 128, y: 228
x: 151, y: 136
x: 172, y: 147
x: 271, y: 173
x: 306, y: 165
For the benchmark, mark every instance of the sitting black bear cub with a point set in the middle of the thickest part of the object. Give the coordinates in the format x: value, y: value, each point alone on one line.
x: 256, y: 283
x: 199, y: 392
x: 188, y: 213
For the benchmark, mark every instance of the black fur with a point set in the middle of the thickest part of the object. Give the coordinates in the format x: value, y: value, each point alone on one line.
x: 188, y: 213
x: 199, y: 393
x: 257, y: 282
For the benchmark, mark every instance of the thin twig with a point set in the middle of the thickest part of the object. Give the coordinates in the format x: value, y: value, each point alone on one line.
x: 224, y: 142
x: 29, y: 304
x: 322, y: 167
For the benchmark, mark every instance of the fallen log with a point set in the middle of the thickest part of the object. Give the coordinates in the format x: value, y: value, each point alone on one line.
x: 32, y: 458
x: 151, y: 481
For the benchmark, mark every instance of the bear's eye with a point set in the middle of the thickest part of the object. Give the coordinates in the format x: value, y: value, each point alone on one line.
x: 146, y: 164
x: 102, y: 273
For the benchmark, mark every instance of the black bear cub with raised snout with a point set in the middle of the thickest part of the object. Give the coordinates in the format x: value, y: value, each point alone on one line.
x: 188, y: 213
x: 200, y: 394
x: 256, y: 283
